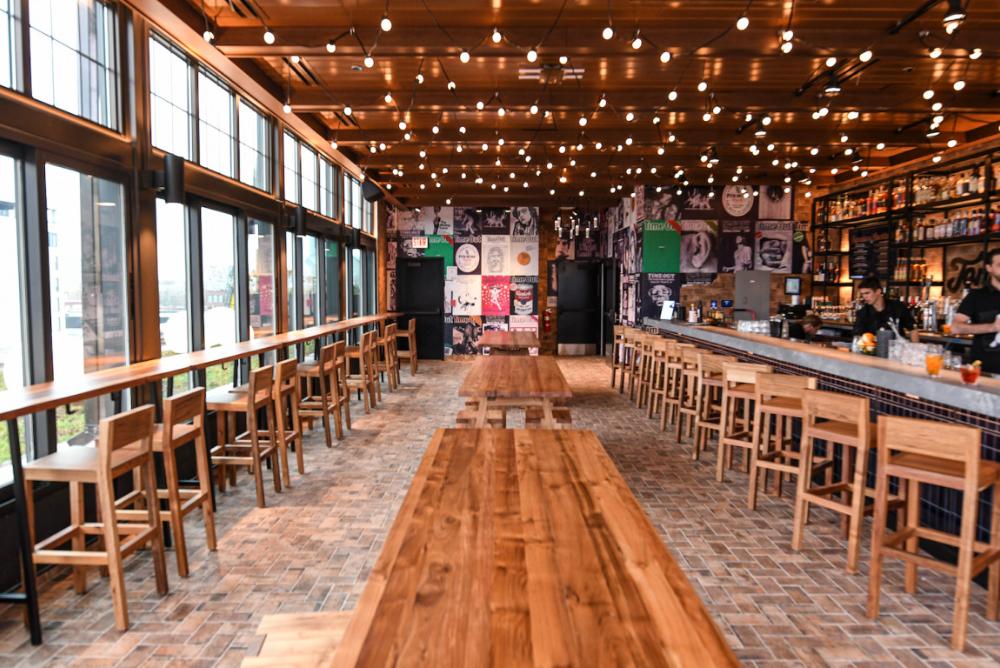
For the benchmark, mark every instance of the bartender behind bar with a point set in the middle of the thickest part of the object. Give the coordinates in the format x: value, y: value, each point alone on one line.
x: 878, y: 311
x: 979, y: 314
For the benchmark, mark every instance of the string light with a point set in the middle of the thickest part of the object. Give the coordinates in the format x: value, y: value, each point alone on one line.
x: 958, y: 85
x: 866, y: 55
x: 464, y: 56
x: 532, y: 55
x: 497, y: 36
x: 702, y: 86
x: 347, y: 110
x: 672, y: 95
x: 636, y: 40
x: 976, y: 54
x: 369, y: 62
x: 388, y: 98
x: 742, y: 23
x: 665, y: 56
x: 331, y: 47
x: 608, y: 32
x: 268, y: 36
x: 385, y: 23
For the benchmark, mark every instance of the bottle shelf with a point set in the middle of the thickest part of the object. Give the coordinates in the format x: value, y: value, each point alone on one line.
x: 953, y: 203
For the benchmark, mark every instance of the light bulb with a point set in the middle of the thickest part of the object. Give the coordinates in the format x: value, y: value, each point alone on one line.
x: 936, y: 52
x: 435, y: 129
x: 381, y: 146
x: 671, y: 137
x: 958, y: 85
x: 787, y: 35
x: 480, y: 104
x: 702, y: 86
x: 501, y: 111
x: 656, y: 120
x: 420, y: 78
x: 287, y: 108
x: 928, y: 94
x: 402, y: 125
x: 388, y: 98
x: 208, y: 35
x: 563, y: 60
x: 718, y: 110
x: 706, y: 117
x: 637, y: 42
x: 629, y: 117
x: 532, y: 55
x: 831, y: 61
x: 866, y: 55
x: 952, y: 143
x: 451, y: 85
x: 628, y: 140
x: 742, y: 23
x: 582, y: 121
x: 406, y: 136
x: 533, y: 109
x: 497, y: 36
x: 331, y: 47
x: 937, y: 106
x: 661, y: 151
x: 369, y: 62
x: 333, y: 144
x: 786, y: 47
x: 852, y: 115
x: 386, y: 24
x: 603, y: 102
x: 880, y: 146
x: 672, y: 95
x: 347, y: 110
x: 268, y: 36
x: 665, y: 56
x: 976, y: 53
x: 464, y: 56
x: 461, y: 129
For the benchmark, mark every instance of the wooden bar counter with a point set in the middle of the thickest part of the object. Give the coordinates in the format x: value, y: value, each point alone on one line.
x: 526, y: 548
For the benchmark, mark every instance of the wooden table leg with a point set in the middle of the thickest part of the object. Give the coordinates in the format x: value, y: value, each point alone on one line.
x: 481, y: 413
x: 547, y: 420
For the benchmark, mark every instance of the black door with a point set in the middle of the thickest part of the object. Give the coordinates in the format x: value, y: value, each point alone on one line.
x: 580, y: 306
x: 420, y: 295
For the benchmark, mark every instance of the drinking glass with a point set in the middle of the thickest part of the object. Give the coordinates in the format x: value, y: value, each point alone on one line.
x: 933, y: 361
x: 970, y: 373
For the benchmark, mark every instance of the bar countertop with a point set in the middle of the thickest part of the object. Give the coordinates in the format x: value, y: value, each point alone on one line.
x: 947, y: 389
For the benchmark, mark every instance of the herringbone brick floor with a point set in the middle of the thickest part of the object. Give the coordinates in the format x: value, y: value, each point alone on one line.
x: 313, y: 546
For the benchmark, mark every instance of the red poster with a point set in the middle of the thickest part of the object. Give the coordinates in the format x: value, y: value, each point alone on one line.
x: 496, y: 295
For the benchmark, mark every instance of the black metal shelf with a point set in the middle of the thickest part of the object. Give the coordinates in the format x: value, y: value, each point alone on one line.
x: 861, y: 220
x: 953, y: 241
x: 953, y: 203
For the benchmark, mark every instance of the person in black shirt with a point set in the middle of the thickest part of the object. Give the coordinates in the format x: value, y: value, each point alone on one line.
x: 979, y: 314
x: 804, y: 329
x: 878, y: 311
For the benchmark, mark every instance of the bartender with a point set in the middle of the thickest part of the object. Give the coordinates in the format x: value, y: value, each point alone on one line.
x: 877, y: 311
x: 979, y: 314
x: 805, y: 329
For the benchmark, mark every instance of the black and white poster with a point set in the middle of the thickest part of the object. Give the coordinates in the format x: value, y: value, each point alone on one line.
x: 495, y: 221
x: 587, y: 246
x: 774, y: 246
x: 657, y: 289
x: 735, y: 245
x: 467, y: 258
x: 737, y: 201
x: 662, y: 205
x: 467, y: 223
x: 465, y: 335
x: 802, y: 257
x: 699, y: 246
x: 699, y: 203
x: 524, y: 221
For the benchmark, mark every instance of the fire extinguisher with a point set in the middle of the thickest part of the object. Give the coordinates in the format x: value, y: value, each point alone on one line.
x: 547, y: 320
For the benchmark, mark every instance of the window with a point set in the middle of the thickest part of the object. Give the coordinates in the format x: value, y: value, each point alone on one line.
x: 328, y: 180
x: 310, y: 281
x: 290, y: 151
x: 216, y: 136
x: 353, y: 202
x: 370, y: 294
x: 291, y: 322
x: 10, y: 31
x: 172, y: 278
x: 255, y: 151
x: 307, y: 166
x: 74, y: 58
x: 370, y: 212
x: 87, y: 276
x: 172, y: 112
x: 357, y: 288
x: 331, y: 259
x: 12, y: 345
x: 260, y: 261
x: 218, y: 257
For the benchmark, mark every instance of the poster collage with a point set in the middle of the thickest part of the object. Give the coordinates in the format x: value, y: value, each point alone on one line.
x: 491, y: 267
x: 665, y: 240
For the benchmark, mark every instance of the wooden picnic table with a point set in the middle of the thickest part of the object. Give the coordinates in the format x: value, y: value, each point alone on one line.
x: 509, y: 340
x: 515, y: 381
x: 525, y: 548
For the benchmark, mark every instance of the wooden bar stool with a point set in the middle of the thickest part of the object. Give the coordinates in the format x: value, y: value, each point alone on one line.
x: 125, y: 443
x: 635, y: 362
x: 253, y: 446
x: 739, y: 389
x: 628, y: 354
x: 838, y: 420
x: 320, y: 393
x: 655, y: 402
x: 617, y: 352
x: 672, y: 383
x: 687, y: 393
x: 385, y: 358
x: 925, y: 452
x: 778, y: 397
x: 410, y: 352
x: 645, y: 372
x: 364, y: 380
x: 183, y: 423
x: 288, y: 424
x: 708, y: 418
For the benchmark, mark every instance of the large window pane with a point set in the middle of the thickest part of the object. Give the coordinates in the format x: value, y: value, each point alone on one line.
x: 254, y: 148
x: 310, y: 281
x: 170, y: 99
x: 370, y: 293
x: 74, y: 58
x: 216, y: 138
x: 290, y: 151
x: 328, y: 180
x: 331, y: 259
x: 357, y: 282
x: 12, y: 348
x: 353, y: 201
x: 260, y: 260
x: 86, y: 234
x: 292, y: 321
x: 218, y: 257
x: 10, y: 32
x: 172, y: 280
x: 307, y: 166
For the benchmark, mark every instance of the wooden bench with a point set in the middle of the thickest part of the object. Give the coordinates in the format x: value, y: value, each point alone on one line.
x: 298, y: 640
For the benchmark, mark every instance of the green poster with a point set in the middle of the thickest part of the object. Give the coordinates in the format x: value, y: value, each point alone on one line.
x: 440, y: 246
x: 661, y: 247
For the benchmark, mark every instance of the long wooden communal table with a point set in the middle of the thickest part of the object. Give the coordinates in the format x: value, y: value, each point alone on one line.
x: 513, y: 341
x: 504, y: 380
x: 525, y: 548
x: 24, y: 401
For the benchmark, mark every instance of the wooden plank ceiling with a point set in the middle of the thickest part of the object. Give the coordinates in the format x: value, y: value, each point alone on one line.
x: 420, y: 64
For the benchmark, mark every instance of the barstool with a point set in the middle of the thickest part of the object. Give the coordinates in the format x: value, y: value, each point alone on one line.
x: 617, y: 352
x: 125, y: 443
x: 645, y: 372
x: 635, y: 362
x: 628, y: 353
x: 778, y: 396
x: 687, y: 393
x: 288, y: 425
x: 253, y: 446
x: 658, y: 377
x: 364, y: 381
x: 708, y: 417
x: 327, y: 397
x: 410, y: 353
x: 837, y: 420
x: 739, y: 387
x: 385, y: 358
x: 944, y: 455
x: 183, y: 423
x: 672, y: 383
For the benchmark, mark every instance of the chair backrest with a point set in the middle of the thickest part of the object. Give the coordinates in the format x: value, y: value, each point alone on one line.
x: 619, y: 331
x: 134, y: 427
x: 181, y: 408
x: 660, y: 346
x: 328, y: 358
x: 784, y: 385
x: 259, y: 389
x: 742, y: 372
x: 689, y: 357
x: 390, y: 333
x: 710, y: 364
x: 286, y: 376
x: 411, y: 326
x: 930, y: 438
x: 821, y: 405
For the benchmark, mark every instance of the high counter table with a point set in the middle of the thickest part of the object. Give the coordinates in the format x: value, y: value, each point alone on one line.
x: 30, y: 399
